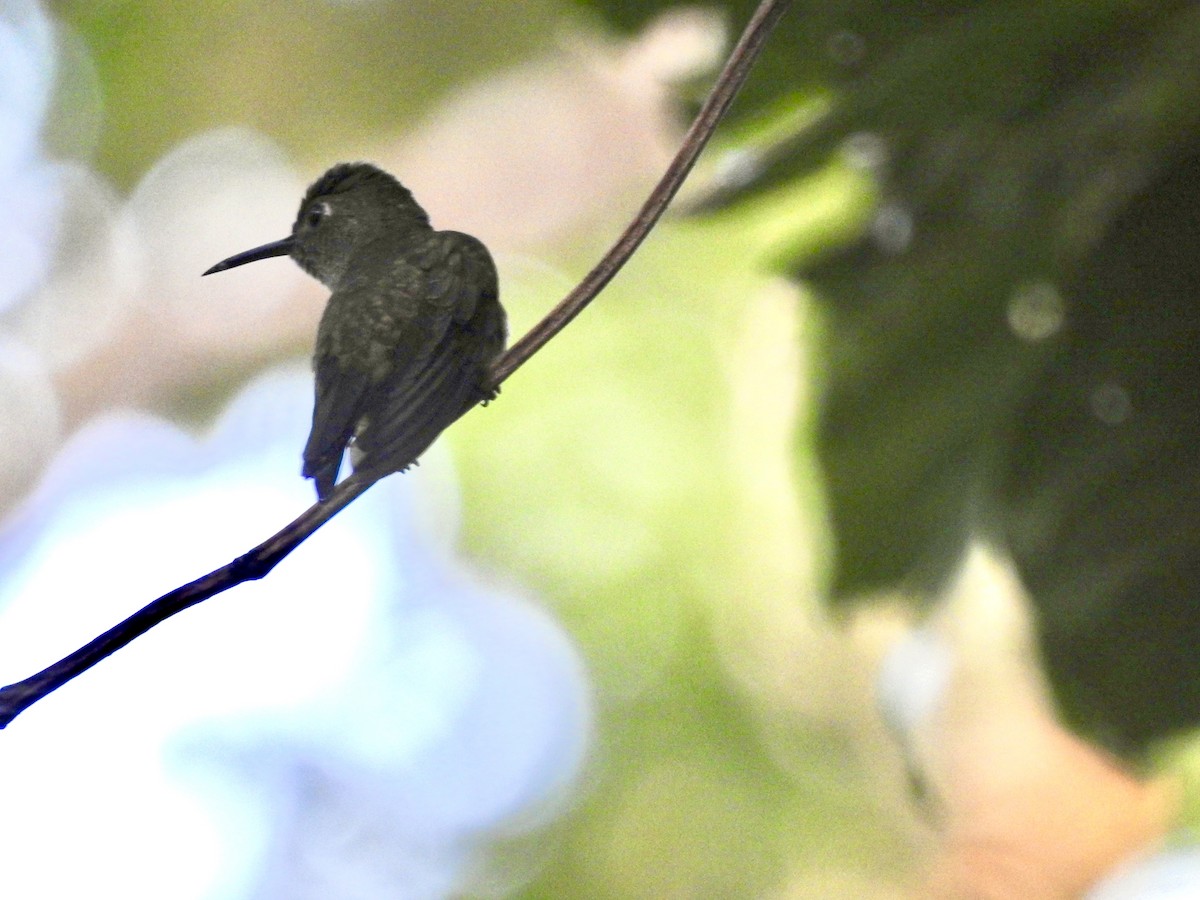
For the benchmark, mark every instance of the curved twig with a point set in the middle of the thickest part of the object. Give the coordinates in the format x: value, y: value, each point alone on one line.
x: 725, y: 88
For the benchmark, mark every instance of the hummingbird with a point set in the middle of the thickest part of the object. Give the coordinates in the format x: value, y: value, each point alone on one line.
x: 412, y: 322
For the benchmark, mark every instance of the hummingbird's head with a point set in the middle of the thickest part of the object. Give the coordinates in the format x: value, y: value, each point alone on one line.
x: 349, y: 206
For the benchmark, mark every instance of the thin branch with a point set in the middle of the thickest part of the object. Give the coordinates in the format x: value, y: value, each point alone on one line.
x: 728, y: 83
x: 256, y: 563
x: 250, y: 566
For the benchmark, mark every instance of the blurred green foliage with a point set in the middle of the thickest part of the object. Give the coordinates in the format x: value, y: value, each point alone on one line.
x: 1010, y: 341
x: 318, y: 77
x: 624, y: 500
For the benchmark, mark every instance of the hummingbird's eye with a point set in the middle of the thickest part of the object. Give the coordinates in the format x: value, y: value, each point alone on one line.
x: 316, y: 213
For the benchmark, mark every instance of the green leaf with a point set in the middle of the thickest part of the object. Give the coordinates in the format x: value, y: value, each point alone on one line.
x: 1011, y: 335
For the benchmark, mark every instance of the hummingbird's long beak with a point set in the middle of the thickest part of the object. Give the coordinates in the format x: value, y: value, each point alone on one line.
x: 266, y: 251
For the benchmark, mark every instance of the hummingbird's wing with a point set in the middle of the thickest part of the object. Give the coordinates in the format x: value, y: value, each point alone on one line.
x: 461, y: 299
x: 439, y: 322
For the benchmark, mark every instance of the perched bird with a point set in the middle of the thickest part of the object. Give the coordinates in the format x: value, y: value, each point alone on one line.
x: 412, y: 323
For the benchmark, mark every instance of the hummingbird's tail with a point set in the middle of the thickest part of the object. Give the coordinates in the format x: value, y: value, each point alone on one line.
x: 324, y: 477
x: 336, y: 413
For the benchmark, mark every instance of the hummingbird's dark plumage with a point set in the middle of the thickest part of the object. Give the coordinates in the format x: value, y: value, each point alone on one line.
x: 412, y: 323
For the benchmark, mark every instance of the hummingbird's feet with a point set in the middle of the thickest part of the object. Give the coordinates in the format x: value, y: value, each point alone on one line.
x: 489, y: 396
